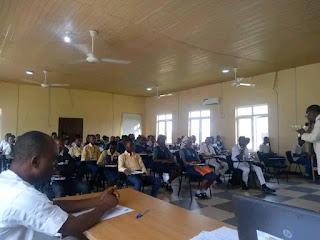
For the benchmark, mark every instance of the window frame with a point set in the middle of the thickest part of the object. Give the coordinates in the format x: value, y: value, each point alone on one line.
x: 200, y: 118
x: 165, y: 120
x: 252, y: 116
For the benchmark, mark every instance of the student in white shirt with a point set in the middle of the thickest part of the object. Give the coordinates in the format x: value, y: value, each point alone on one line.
x: 312, y: 135
x: 4, y: 141
x: 207, y: 152
x: 300, y: 156
x: 240, y: 155
x: 26, y: 213
x: 194, y: 144
x: 7, y: 147
x: 265, y: 147
x: 218, y: 144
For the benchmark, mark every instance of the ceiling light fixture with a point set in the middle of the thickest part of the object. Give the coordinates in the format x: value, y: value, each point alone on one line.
x: 67, y: 38
x: 225, y: 70
x: 29, y: 72
x: 149, y: 89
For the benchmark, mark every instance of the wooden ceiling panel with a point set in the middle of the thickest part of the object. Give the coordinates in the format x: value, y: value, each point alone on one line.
x: 176, y: 44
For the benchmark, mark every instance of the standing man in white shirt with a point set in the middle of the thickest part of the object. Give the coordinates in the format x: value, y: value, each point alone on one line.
x: 26, y: 213
x: 208, y: 153
x: 300, y: 156
x: 240, y: 156
x: 312, y: 135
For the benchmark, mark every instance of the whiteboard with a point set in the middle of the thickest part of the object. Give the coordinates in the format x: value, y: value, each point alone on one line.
x: 131, y: 123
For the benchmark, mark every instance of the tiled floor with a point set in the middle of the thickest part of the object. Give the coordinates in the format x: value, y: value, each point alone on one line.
x: 298, y: 192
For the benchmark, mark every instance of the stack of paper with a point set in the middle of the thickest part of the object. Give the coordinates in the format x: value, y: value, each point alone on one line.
x: 223, y: 233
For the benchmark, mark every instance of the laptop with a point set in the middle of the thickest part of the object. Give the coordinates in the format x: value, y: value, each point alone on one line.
x: 263, y: 220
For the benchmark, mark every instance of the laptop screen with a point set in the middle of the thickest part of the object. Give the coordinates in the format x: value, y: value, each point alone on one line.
x: 263, y: 220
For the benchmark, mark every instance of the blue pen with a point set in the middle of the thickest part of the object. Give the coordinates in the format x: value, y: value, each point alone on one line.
x: 141, y: 214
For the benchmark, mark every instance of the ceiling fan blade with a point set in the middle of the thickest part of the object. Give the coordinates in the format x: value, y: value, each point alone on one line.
x: 30, y: 81
x: 59, y: 85
x: 110, y: 60
x: 83, y: 48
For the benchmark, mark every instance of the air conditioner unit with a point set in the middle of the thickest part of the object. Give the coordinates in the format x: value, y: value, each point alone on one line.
x: 211, y: 101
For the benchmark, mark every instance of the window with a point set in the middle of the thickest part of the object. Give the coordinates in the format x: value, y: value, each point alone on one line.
x: 164, y: 126
x: 199, y: 125
x: 252, y: 122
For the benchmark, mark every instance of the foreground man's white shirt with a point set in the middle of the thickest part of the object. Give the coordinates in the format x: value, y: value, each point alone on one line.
x: 314, y: 137
x: 25, y: 212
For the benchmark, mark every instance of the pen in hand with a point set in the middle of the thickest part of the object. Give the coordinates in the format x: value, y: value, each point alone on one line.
x: 141, y: 214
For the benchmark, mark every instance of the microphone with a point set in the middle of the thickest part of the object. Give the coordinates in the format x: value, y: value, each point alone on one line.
x: 306, y: 126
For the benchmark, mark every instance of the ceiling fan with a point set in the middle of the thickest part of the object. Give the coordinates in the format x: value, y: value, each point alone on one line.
x: 44, y: 84
x: 238, y: 81
x: 91, y: 58
x: 158, y: 96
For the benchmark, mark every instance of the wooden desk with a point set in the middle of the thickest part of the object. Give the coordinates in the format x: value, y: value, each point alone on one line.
x: 164, y: 221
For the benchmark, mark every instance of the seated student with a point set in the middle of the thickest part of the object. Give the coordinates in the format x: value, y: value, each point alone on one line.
x: 265, y: 147
x: 73, y: 184
x: 207, y: 152
x: 163, y: 162
x: 67, y: 143
x: 129, y: 161
x: 144, y: 151
x: 300, y: 156
x: 266, y: 152
x: 54, y: 135
x: 117, y: 139
x: 151, y: 142
x: 177, y: 144
x: 76, y: 150
x: 218, y: 144
x: 100, y: 143
x: 105, y: 140
x: 194, y: 144
x: 7, y: 147
x: 112, y: 139
x: 91, y: 153
x: 26, y: 213
x: 240, y: 154
x: 190, y: 157
x: 4, y: 142
x: 132, y: 138
x: 121, y: 148
x: 110, y: 157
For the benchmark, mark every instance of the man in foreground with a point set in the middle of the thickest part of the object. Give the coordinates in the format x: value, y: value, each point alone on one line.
x: 26, y: 213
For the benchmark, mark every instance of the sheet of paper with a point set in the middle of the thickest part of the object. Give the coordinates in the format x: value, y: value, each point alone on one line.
x: 136, y: 172
x: 223, y: 233
x: 117, y: 211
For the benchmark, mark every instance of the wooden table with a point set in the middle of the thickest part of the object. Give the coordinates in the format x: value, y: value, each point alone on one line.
x: 164, y: 221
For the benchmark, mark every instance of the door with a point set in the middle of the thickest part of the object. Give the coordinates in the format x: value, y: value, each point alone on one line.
x: 71, y: 127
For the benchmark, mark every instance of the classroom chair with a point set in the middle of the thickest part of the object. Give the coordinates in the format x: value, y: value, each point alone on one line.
x: 290, y: 160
